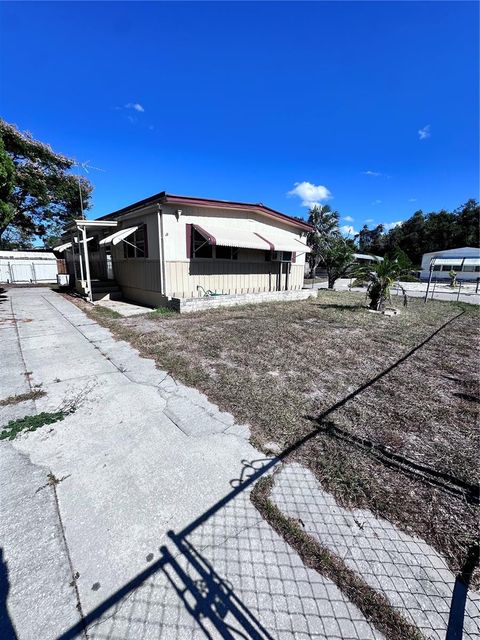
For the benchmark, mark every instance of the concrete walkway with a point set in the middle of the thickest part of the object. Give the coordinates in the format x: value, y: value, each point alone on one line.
x: 123, y: 520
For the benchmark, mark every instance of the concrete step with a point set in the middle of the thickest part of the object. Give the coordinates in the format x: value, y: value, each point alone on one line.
x: 106, y: 295
x: 106, y: 288
x: 96, y: 284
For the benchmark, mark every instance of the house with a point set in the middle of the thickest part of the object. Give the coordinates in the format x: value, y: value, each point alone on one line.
x: 28, y: 267
x: 465, y: 261
x: 170, y: 249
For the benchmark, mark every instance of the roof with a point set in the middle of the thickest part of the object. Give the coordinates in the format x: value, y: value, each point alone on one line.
x: 461, y: 252
x: 169, y: 198
x: 457, y: 262
x: 27, y: 255
x: 367, y: 256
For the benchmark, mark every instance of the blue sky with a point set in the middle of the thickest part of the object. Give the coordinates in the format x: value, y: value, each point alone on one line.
x: 369, y: 107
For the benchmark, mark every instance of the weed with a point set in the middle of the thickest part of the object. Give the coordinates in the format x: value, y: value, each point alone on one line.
x: 30, y: 423
x: 162, y: 311
x: 22, y: 397
x: 105, y: 312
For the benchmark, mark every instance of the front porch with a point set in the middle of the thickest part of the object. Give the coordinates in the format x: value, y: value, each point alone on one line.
x: 89, y: 258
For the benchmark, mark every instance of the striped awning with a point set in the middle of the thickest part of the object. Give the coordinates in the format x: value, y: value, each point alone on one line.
x: 251, y: 237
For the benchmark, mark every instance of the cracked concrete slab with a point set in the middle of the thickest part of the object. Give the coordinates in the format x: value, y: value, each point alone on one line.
x: 35, y: 567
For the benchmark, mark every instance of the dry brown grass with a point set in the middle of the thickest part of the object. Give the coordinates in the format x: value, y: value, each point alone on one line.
x: 280, y: 366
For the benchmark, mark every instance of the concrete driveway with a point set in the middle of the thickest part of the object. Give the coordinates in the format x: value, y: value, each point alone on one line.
x: 131, y: 518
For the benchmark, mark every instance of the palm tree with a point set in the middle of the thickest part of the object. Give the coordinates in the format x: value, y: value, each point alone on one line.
x: 380, y: 277
x: 325, y: 233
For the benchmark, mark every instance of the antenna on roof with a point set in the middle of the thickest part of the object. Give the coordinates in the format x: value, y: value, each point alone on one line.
x: 85, y: 166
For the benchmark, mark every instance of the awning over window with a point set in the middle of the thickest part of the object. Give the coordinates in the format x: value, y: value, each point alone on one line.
x: 118, y: 236
x: 457, y: 262
x: 223, y: 236
x: 62, y: 247
x: 287, y: 243
x: 251, y: 237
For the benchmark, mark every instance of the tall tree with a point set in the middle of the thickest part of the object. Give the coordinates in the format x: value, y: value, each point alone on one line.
x: 40, y: 192
x: 370, y: 240
x: 328, y: 246
x: 325, y: 231
x: 435, y: 231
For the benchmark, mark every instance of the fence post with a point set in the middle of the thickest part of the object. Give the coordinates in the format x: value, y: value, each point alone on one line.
x: 429, y: 279
x: 459, y: 289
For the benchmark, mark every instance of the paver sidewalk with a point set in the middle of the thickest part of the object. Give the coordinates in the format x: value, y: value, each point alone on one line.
x: 127, y: 540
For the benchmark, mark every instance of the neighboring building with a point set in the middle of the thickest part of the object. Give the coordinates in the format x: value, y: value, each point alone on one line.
x: 174, y: 247
x: 465, y: 261
x: 34, y: 267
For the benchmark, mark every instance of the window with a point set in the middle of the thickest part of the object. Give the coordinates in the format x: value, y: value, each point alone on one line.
x: 268, y: 256
x: 136, y: 245
x: 437, y: 267
x: 226, y: 253
x: 282, y: 256
x: 200, y: 247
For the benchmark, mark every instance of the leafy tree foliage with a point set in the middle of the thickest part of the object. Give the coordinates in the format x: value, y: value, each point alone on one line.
x: 37, y: 191
x: 422, y: 233
x: 339, y: 261
x: 328, y: 246
x: 370, y: 240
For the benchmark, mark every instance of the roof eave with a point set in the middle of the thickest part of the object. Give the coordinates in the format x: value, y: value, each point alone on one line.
x: 170, y: 198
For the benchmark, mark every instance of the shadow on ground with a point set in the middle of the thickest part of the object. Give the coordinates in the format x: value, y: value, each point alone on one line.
x: 7, y: 630
x: 183, y: 579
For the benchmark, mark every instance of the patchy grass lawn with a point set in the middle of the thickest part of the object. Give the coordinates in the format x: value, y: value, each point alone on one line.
x: 290, y: 368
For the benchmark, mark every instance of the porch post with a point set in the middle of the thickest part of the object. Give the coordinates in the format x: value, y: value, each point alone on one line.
x: 74, y: 258
x: 87, y: 264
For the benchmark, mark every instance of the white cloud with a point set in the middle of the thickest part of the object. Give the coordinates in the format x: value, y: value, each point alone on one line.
x: 391, y: 225
x: 310, y: 194
x: 368, y: 220
x: 412, y: 199
x: 377, y: 202
x: 151, y: 127
x: 373, y: 174
x: 348, y: 218
x: 348, y: 230
x: 135, y: 106
x: 424, y: 133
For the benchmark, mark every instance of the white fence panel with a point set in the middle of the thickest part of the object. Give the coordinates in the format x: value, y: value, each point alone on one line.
x: 24, y: 271
x: 45, y: 270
